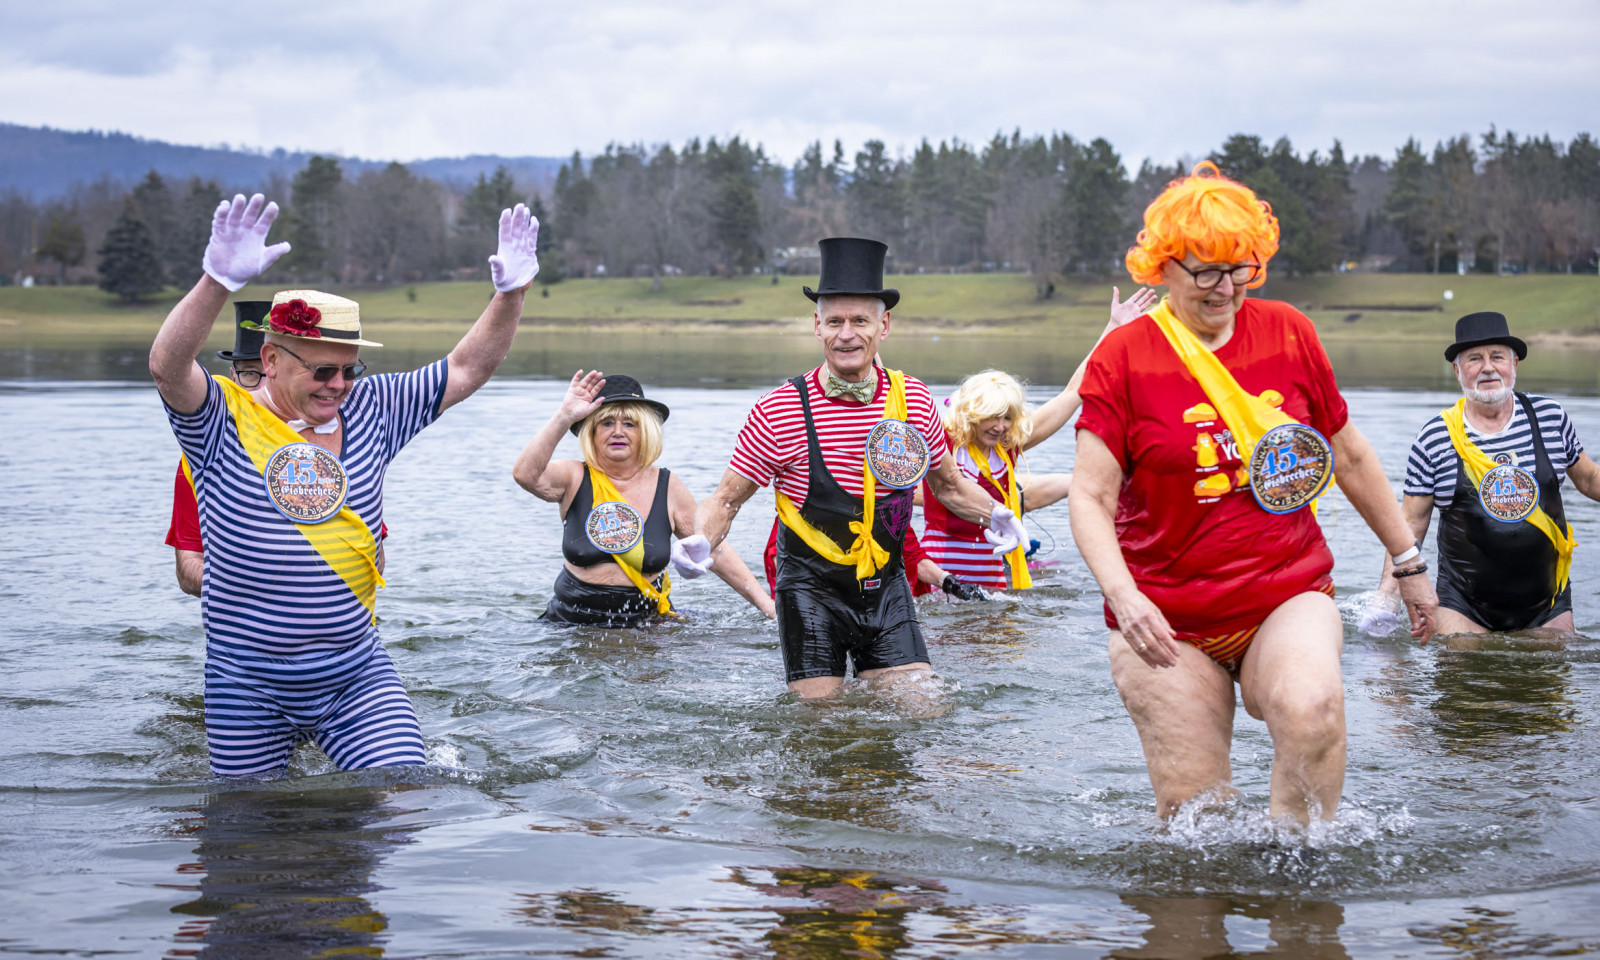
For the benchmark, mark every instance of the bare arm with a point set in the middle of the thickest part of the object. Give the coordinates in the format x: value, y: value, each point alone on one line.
x: 1418, y: 512
x: 1044, y: 489
x: 961, y: 496
x: 484, y: 348
x: 1362, y: 480
x: 714, y: 516
x: 1059, y: 409
x: 182, y: 382
x: 725, y: 561
x: 1585, y: 476
x: 190, y: 564
x: 1093, y: 508
x: 533, y: 470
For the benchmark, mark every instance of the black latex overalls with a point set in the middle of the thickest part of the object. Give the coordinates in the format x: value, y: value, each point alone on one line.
x: 824, y: 613
x: 1502, y: 575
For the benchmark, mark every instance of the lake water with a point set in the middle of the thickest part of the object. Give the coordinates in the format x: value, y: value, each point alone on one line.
x: 656, y: 794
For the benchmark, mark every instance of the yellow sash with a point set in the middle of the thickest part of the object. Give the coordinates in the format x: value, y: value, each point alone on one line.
x: 866, y: 555
x: 1018, y: 558
x: 1248, y: 416
x: 631, y: 562
x: 1478, y: 463
x: 343, y: 541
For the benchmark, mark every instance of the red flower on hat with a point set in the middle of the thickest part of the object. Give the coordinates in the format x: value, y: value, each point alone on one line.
x: 296, y: 318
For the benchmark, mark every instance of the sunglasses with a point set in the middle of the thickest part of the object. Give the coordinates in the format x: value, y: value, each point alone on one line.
x: 326, y: 372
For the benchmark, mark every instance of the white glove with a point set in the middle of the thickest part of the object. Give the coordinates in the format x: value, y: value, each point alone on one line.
x: 238, y: 251
x: 691, y: 556
x: 517, y: 262
x: 1005, y: 531
x: 1381, y: 616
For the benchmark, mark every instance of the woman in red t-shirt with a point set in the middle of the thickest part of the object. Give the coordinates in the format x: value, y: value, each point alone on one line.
x: 1207, y: 578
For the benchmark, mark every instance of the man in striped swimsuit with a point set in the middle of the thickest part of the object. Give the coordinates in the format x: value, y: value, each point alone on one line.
x: 1497, y: 571
x: 808, y: 439
x: 289, y: 481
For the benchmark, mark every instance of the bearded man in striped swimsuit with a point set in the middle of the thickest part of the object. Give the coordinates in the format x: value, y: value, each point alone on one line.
x: 289, y: 481
x: 845, y: 445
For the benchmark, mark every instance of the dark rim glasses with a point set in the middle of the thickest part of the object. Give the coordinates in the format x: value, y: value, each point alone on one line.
x: 325, y: 372
x: 1208, y: 277
x: 246, y: 378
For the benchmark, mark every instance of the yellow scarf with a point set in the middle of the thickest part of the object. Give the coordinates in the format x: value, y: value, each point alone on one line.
x: 1018, y: 558
x: 343, y: 541
x: 631, y: 562
x: 865, y: 554
x: 1478, y: 463
x: 1248, y: 416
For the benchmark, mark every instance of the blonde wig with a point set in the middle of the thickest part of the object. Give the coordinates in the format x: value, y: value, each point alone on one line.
x: 1206, y: 214
x: 649, y: 423
x: 992, y: 393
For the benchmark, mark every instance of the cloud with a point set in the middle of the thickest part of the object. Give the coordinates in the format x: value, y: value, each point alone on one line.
x: 408, y: 80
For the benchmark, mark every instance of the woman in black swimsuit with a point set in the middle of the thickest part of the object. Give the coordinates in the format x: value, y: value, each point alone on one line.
x: 619, y: 511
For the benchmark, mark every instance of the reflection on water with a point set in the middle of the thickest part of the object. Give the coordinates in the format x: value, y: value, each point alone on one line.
x: 1201, y: 928
x: 1489, y: 703
x: 285, y: 874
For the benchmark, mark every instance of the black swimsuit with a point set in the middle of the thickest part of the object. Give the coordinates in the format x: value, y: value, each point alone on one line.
x: 1502, y: 575
x: 827, y: 619
x: 601, y: 604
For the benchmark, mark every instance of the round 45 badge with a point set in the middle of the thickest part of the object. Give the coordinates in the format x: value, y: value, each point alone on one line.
x: 1290, y: 467
x: 896, y: 454
x: 307, y: 483
x: 614, y: 527
x: 1508, y: 493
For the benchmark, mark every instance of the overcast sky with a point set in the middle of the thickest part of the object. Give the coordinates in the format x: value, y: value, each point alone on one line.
x: 392, y: 79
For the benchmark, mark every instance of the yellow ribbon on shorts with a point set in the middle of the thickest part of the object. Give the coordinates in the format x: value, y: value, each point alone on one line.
x: 866, y: 555
x: 1479, y: 463
x: 1018, y: 558
x: 343, y: 541
x: 631, y: 561
x: 1248, y: 416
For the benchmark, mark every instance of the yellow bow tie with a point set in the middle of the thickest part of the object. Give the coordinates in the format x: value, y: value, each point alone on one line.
x: 863, y: 391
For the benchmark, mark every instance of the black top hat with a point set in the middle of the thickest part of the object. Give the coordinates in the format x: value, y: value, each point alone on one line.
x: 246, y: 342
x: 853, y: 267
x: 1477, y: 329
x: 621, y: 388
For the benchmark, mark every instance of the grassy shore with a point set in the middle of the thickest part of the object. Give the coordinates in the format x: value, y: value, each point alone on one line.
x: 1345, y: 307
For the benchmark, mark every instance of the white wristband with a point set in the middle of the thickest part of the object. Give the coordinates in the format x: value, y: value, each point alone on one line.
x: 1411, y: 554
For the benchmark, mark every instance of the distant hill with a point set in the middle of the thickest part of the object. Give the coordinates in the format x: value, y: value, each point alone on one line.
x: 43, y: 163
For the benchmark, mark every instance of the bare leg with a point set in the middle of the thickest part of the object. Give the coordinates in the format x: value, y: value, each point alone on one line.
x: 1184, y: 715
x: 813, y: 687
x: 1290, y: 678
x: 889, y: 676
x: 1452, y: 621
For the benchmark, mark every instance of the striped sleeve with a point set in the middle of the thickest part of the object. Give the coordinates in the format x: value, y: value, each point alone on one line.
x: 1423, y: 465
x: 410, y: 401
x: 199, y: 433
x: 755, y: 454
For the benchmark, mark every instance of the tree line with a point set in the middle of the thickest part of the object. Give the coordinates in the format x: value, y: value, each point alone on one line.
x: 1046, y: 205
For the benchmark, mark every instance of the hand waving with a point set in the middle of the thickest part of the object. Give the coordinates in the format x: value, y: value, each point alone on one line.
x: 516, y: 263
x: 238, y: 251
x: 1005, y: 530
x: 1137, y: 305
x: 583, y: 396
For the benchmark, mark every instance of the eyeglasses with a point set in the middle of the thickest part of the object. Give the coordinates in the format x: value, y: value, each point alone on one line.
x: 325, y: 372
x: 1208, y: 277
x: 246, y: 378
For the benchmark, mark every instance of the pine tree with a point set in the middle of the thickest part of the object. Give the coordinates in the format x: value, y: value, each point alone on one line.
x: 130, y: 263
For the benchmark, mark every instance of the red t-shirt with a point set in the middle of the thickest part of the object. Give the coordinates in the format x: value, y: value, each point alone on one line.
x: 772, y: 444
x: 184, y: 530
x: 1193, y: 536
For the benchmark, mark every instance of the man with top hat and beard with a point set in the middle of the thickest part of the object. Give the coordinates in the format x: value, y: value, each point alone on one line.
x: 845, y: 446
x: 289, y: 479
x: 1493, y: 464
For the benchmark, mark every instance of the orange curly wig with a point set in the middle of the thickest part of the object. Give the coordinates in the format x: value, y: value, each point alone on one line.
x: 1217, y: 219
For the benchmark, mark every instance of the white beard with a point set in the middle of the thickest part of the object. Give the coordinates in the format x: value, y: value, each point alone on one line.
x: 1490, y: 398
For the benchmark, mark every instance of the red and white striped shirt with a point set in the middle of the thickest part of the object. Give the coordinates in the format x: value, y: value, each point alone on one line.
x: 958, y: 545
x: 772, y: 444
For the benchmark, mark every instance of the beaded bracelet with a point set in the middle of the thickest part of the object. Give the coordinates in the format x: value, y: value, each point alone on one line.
x: 1412, y: 571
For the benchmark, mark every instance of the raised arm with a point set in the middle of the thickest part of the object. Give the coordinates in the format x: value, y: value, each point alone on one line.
x: 533, y: 470
x: 236, y: 254
x: 1055, y: 413
x: 484, y: 348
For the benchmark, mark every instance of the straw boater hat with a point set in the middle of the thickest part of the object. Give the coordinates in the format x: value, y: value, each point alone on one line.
x: 314, y: 315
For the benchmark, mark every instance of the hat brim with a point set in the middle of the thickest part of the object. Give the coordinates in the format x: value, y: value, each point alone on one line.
x: 1514, y: 343
x: 357, y: 342
x: 655, y: 405
x: 232, y: 357
x: 889, y: 297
